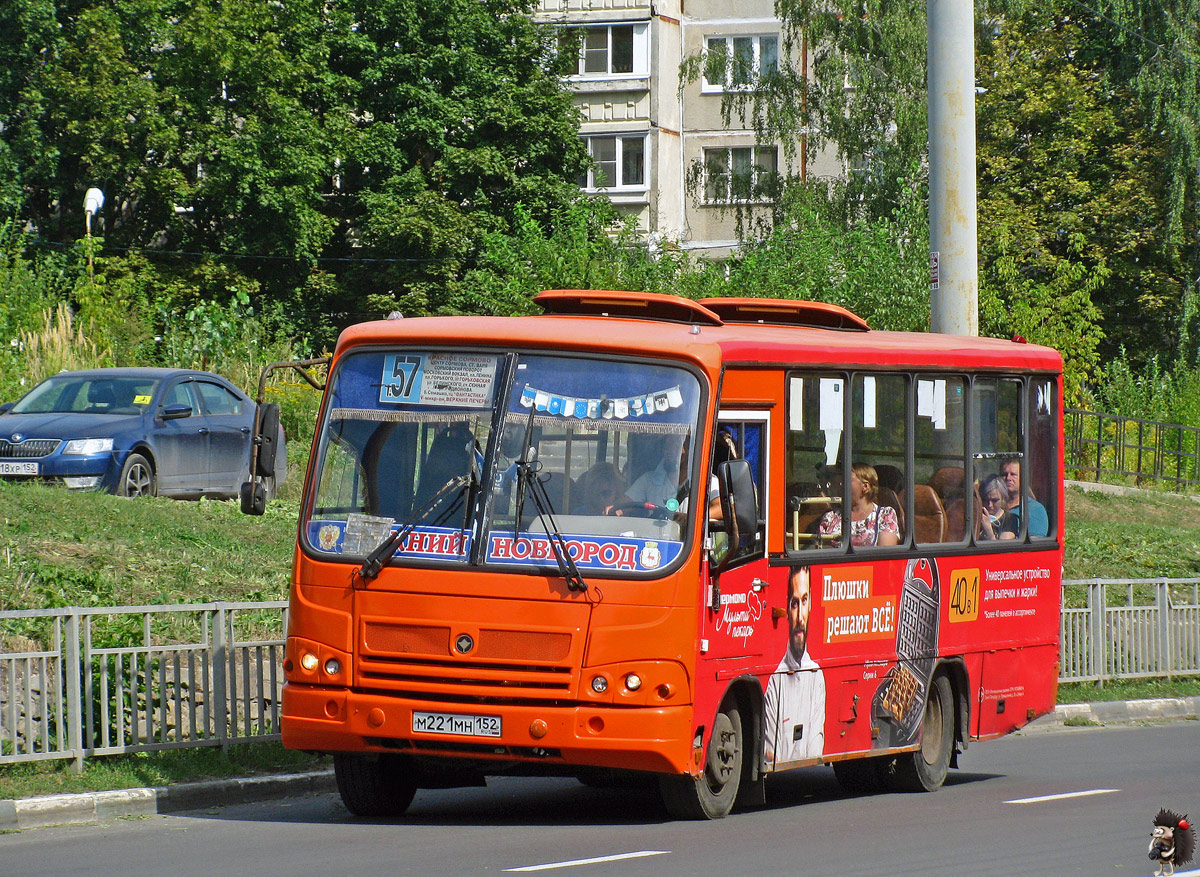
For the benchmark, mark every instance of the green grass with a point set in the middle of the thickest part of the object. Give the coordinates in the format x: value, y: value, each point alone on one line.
x: 59, y: 548
x: 152, y: 769
x: 1131, y: 537
x: 1128, y: 689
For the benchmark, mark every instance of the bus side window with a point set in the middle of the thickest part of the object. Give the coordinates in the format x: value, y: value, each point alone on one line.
x: 1040, y: 474
x: 939, y: 509
x: 814, y: 451
x: 998, y: 454
x: 744, y: 440
x: 878, y: 411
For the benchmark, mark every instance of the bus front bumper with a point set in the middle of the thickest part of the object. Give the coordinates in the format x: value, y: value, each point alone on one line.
x: 654, y: 739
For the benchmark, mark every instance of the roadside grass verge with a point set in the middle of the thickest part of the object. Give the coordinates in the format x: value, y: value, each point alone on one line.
x: 61, y: 548
x: 162, y: 768
x: 1129, y: 689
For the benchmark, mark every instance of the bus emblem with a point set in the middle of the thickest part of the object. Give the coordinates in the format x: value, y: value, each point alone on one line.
x: 650, y: 557
x: 464, y: 643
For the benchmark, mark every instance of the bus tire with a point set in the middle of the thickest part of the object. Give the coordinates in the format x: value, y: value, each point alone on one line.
x: 925, y: 770
x: 860, y: 776
x: 712, y: 794
x: 374, y: 785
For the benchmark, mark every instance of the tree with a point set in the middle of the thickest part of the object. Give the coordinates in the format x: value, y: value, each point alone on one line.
x: 461, y: 123
x: 340, y: 157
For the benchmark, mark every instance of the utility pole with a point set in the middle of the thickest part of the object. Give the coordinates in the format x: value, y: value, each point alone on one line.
x: 953, y: 240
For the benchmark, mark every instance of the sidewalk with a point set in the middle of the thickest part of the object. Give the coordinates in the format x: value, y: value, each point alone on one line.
x: 88, y: 807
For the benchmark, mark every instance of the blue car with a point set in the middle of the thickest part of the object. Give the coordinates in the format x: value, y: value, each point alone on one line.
x: 136, y: 432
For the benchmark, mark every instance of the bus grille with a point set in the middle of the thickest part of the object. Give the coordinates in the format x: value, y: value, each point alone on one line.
x: 28, y: 449
x: 505, y: 663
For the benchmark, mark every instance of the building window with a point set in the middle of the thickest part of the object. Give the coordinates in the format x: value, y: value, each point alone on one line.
x: 609, y: 49
x: 739, y: 173
x: 738, y: 62
x: 620, y: 162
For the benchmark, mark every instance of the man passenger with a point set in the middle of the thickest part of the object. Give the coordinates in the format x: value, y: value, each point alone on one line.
x: 1039, y: 520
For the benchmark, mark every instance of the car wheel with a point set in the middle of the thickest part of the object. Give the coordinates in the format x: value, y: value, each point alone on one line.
x: 137, y: 478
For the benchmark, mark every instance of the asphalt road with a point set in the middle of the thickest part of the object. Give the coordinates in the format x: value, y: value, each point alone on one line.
x: 976, y: 825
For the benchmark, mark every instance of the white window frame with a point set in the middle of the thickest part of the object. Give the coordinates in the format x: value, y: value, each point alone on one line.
x: 619, y: 185
x: 755, y: 180
x: 727, y: 83
x: 641, y: 51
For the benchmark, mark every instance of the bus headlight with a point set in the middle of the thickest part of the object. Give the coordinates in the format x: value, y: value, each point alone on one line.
x: 633, y: 682
x: 308, y: 661
x: 599, y: 684
x: 333, y: 667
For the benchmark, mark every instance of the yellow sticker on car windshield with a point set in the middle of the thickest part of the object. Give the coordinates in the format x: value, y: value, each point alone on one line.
x: 141, y: 400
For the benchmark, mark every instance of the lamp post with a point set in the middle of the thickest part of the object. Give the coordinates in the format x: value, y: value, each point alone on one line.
x: 93, y: 200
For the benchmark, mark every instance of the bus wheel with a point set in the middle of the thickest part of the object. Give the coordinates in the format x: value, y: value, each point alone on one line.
x: 374, y: 785
x: 860, y: 776
x: 710, y: 795
x: 925, y: 770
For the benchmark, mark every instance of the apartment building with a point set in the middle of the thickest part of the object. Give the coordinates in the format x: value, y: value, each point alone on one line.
x: 663, y: 153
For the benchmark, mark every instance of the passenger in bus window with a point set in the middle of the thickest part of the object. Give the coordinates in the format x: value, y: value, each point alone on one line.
x: 870, y: 523
x: 1039, y: 521
x: 598, y: 490
x: 995, y: 519
x: 794, y: 705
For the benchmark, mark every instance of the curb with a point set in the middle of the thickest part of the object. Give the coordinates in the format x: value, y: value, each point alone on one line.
x: 89, y: 807
x: 1164, y: 709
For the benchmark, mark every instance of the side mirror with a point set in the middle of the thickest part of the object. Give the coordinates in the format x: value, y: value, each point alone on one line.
x: 6, y: 407
x: 175, y: 411
x: 739, y: 503
x: 266, y: 436
x: 254, y: 498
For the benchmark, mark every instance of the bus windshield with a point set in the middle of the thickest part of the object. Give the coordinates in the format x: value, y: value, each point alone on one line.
x: 485, y: 456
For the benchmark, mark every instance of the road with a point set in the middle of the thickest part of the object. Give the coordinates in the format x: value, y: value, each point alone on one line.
x: 971, y: 827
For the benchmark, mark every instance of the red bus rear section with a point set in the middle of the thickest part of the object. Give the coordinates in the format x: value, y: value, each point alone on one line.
x: 608, y: 542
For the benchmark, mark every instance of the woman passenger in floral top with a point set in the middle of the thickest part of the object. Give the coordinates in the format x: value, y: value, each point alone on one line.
x: 870, y: 524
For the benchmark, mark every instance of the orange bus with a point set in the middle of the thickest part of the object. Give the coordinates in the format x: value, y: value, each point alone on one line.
x: 606, y: 542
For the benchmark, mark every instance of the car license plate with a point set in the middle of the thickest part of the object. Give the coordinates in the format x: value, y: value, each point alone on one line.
x: 459, y: 725
x: 22, y: 468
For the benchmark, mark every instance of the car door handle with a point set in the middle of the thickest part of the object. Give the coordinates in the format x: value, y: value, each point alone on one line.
x: 245, y: 430
x: 203, y: 430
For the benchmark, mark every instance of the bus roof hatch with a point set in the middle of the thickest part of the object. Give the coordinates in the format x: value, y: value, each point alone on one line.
x: 618, y: 303
x: 785, y: 311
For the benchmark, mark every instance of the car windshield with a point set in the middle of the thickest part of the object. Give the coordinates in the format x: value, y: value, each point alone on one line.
x: 92, y: 394
x: 438, y: 440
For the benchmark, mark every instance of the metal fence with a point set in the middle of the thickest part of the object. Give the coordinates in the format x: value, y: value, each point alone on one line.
x: 1100, y: 445
x: 75, y: 683
x: 1130, y: 629
x: 79, y: 682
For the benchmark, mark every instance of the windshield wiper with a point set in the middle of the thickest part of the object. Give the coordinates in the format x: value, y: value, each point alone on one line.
x: 528, y: 482
x: 380, y: 555
x: 566, y: 565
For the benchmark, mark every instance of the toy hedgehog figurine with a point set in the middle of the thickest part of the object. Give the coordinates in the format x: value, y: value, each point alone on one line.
x: 1172, y: 843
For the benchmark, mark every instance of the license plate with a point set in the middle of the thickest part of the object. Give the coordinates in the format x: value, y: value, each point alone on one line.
x: 23, y: 468
x: 458, y: 725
